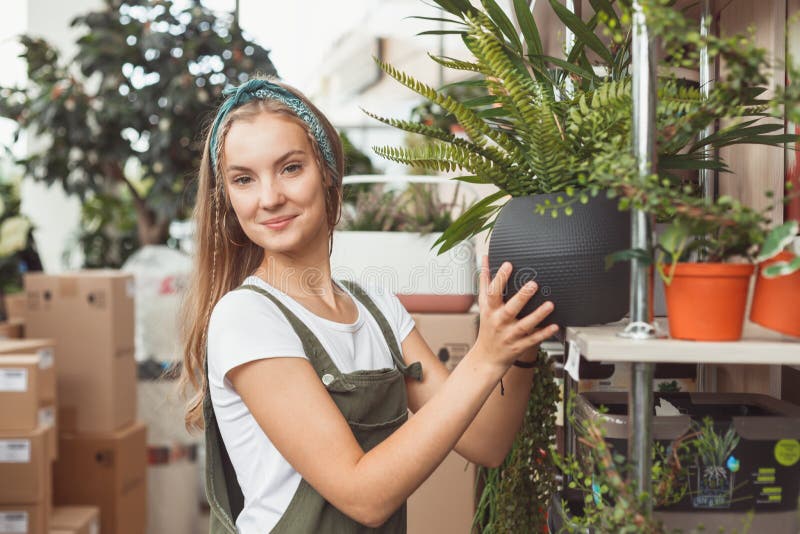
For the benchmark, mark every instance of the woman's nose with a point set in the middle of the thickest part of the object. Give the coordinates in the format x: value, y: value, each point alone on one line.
x: 271, y: 194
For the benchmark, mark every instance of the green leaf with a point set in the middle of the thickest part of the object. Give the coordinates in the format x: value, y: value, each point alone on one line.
x: 441, y: 32
x: 673, y: 238
x: 605, y: 7
x: 503, y: 22
x: 572, y: 68
x: 456, y: 7
x: 527, y: 24
x: 581, y: 31
x: 627, y: 255
x: 782, y: 268
x: 778, y: 239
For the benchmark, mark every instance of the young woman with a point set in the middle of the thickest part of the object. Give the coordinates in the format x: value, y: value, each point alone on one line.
x: 303, y: 384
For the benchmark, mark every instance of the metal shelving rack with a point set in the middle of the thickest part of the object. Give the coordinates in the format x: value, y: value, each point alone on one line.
x: 636, y: 341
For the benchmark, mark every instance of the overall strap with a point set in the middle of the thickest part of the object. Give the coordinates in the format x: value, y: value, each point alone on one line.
x: 415, y: 369
x: 316, y: 353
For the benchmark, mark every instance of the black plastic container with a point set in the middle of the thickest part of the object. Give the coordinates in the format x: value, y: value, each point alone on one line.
x: 761, y: 474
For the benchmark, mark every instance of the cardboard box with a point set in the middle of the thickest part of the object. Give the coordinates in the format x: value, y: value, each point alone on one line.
x: 16, y: 303
x: 27, y: 382
x: 25, y: 461
x: 24, y: 519
x: 89, y: 314
x: 75, y: 519
x: 445, y: 501
x: 449, y: 335
x: 45, y: 350
x: 12, y: 329
x: 107, y: 471
x: 669, y: 377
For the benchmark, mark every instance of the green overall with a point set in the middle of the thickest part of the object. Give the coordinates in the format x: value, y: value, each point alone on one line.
x: 373, y: 402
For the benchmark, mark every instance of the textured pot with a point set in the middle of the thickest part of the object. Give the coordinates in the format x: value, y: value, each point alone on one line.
x: 706, y: 301
x: 565, y: 256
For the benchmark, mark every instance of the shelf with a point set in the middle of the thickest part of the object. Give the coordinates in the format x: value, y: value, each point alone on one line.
x: 757, y: 346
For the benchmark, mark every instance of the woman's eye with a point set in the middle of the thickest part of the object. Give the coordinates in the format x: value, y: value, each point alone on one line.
x: 292, y: 168
x: 241, y: 180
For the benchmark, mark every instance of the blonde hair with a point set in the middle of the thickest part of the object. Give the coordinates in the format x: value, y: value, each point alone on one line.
x: 224, y: 256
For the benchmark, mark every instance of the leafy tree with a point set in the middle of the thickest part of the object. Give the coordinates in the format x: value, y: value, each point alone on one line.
x: 127, y: 112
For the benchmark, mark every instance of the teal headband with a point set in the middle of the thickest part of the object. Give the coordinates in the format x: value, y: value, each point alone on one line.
x: 262, y: 89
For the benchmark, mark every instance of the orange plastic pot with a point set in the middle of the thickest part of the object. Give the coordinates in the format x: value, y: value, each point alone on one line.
x: 775, y: 300
x: 706, y: 301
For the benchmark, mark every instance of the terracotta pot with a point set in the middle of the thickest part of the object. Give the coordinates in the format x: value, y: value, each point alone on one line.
x: 706, y: 301
x: 775, y: 300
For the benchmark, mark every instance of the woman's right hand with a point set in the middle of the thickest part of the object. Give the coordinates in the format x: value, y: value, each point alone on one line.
x: 501, y: 336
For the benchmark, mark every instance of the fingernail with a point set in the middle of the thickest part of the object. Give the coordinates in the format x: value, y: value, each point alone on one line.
x: 530, y: 285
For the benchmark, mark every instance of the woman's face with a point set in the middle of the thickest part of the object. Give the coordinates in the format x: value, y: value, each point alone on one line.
x: 274, y: 184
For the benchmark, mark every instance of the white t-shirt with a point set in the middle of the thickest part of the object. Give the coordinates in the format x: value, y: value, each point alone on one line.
x: 246, y: 326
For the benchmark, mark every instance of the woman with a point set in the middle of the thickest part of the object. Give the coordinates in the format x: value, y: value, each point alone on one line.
x: 303, y: 384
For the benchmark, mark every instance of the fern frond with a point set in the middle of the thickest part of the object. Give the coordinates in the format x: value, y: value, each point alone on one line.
x: 457, y: 64
x: 446, y: 157
x: 474, y: 126
x: 489, y: 152
x: 536, y: 123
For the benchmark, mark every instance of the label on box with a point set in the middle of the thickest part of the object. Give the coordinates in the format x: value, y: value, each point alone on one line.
x: 45, y: 358
x: 13, y: 379
x: 573, y: 361
x: 15, y: 451
x: 94, y: 527
x: 47, y: 416
x: 14, y: 522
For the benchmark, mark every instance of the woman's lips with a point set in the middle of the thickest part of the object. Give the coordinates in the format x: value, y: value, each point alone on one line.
x: 280, y: 224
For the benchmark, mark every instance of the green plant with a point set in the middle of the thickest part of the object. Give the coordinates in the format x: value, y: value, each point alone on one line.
x: 417, y: 208
x: 107, y: 235
x: 17, y: 248
x: 515, y: 495
x: 775, y: 242
x: 149, y: 72
x: 611, y: 501
x: 548, y: 125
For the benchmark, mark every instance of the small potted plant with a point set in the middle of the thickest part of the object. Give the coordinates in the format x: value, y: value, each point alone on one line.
x: 703, y: 260
x: 777, y: 289
x: 405, y: 222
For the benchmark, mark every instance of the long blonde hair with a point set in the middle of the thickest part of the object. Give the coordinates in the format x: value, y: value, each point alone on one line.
x: 224, y: 256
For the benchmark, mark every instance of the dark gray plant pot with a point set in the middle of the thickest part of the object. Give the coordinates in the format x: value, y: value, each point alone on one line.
x: 566, y: 257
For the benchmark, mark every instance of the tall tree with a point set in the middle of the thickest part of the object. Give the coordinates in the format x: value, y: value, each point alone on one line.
x: 127, y: 111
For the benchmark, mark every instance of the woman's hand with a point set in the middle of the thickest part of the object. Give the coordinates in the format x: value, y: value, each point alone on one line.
x: 501, y: 335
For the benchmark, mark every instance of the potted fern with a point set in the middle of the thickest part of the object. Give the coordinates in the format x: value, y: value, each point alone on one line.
x: 554, y: 135
x: 404, y: 222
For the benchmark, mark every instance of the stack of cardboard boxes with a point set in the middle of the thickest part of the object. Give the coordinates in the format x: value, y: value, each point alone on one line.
x: 72, y: 439
x: 445, y: 501
x: 28, y: 443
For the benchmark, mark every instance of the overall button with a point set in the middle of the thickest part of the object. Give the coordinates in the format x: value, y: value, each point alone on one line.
x: 327, y: 379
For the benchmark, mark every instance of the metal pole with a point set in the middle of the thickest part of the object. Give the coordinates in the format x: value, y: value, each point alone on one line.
x: 707, y: 176
x: 643, y: 67
x: 640, y: 396
x: 640, y: 408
